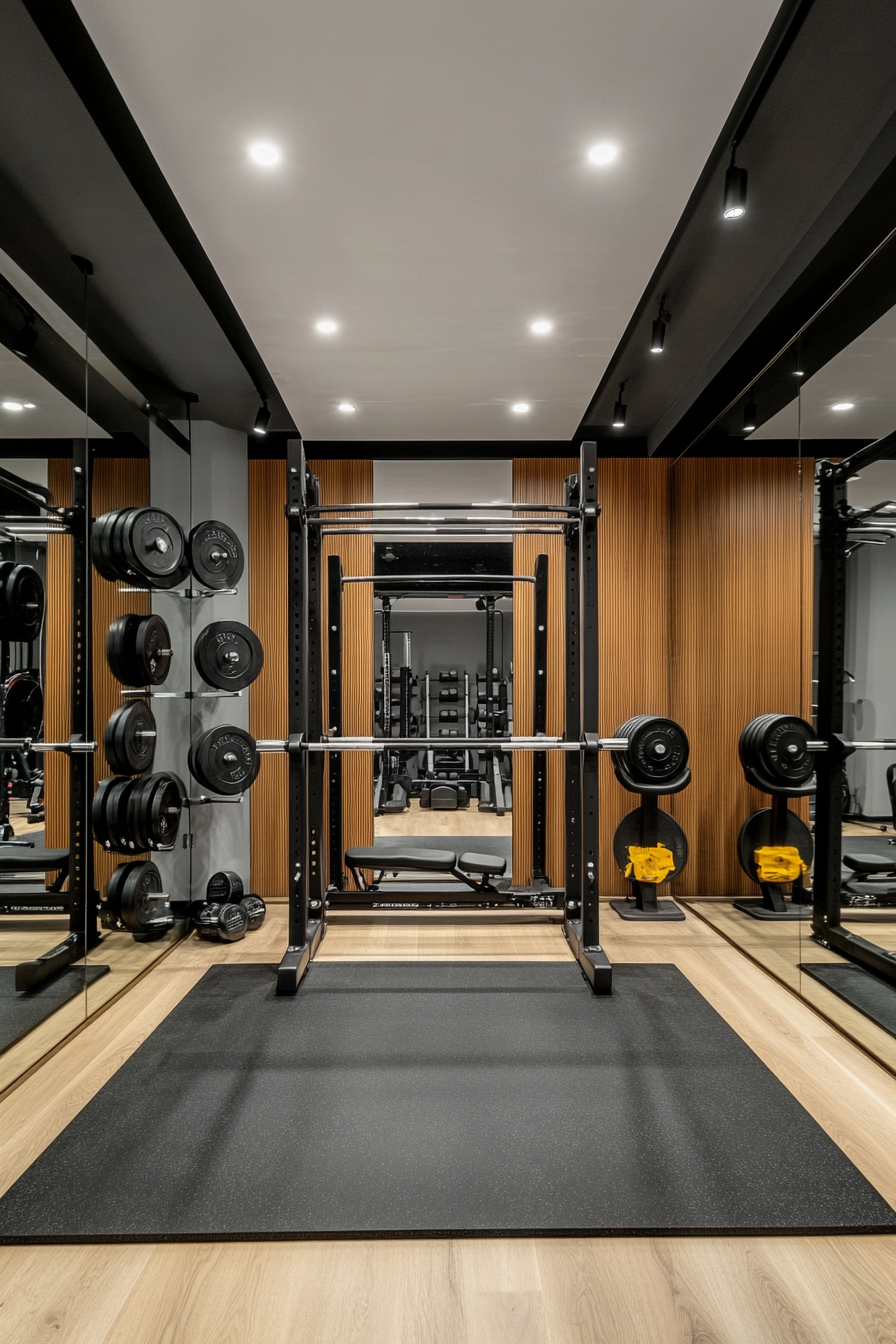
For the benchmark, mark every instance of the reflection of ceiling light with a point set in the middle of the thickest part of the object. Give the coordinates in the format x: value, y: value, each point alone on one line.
x: 843, y: 406
x: 521, y: 408
x: 602, y: 154
x: 13, y: 406
x: 29, y: 405
x: 346, y: 408
x: 24, y: 343
x: 326, y: 326
x: 265, y: 153
x: 262, y: 420
x: 750, y: 417
x: 541, y: 327
x: 619, y: 410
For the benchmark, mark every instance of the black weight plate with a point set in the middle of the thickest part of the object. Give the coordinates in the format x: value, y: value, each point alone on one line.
x: 165, y: 805
x: 206, y: 921
x: 21, y: 706
x: 152, y: 642
x: 668, y: 833
x: 657, y: 749
x: 113, y: 891
x: 233, y: 922
x: 142, y: 905
x: 224, y: 886
x: 216, y: 554
x: 127, y: 752
x: 21, y: 602
x: 153, y: 545
x: 118, y: 800
x: 747, y: 747
x: 228, y: 655
x: 139, y: 814
x: 121, y: 656
x: 99, y: 546
x: 98, y: 818
x: 756, y: 833
x: 114, y: 543
x: 224, y: 760
x: 255, y: 909
x: 782, y: 750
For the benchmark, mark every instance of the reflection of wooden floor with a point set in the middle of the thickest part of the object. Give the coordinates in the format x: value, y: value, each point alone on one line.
x: 850, y: 828
x: 18, y: 818
x: 26, y: 938
x: 780, y: 947
x: 639, y: 1290
x: 419, y: 820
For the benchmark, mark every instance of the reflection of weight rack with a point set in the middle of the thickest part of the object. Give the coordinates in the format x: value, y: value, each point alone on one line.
x: 449, y: 776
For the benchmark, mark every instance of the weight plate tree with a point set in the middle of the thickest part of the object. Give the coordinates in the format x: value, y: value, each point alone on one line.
x: 216, y: 555
x: 228, y: 655
x: 668, y: 833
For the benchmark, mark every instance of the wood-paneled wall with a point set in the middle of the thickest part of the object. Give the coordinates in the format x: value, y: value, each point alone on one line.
x: 344, y: 482
x: 117, y: 483
x: 742, y: 554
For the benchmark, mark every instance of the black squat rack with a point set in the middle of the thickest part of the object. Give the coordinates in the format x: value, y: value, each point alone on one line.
x: 314, y: 725
x: 840, y: 528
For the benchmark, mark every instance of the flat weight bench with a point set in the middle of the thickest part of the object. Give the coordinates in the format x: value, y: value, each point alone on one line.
x: 486, y: 866
x: 19, y: 861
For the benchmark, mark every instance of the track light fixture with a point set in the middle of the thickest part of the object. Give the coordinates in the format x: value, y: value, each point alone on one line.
x: 619, y: 410
x: 26, y: 340
x: 658, y: 330
x: 262, y: 419
x: 750, y: 417
x: 735, y: 202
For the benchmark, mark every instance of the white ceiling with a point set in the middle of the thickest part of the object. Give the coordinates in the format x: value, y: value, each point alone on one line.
x: 434, y: 196
x: 53, y: 416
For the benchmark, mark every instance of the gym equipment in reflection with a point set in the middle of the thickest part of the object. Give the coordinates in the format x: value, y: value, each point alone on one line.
x: 774, y: 846
x: 872, y: 880
x: 227, y: 914
x: 394, y: 770
x: 147, y: 546
x: 649, y: 846
x: 133, y: 816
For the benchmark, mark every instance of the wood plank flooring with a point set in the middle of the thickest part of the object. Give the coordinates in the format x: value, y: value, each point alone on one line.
x: 707, y: 1290
x: 419, y: 820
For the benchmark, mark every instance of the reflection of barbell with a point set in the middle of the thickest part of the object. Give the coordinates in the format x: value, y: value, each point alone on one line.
x: 27, y: 744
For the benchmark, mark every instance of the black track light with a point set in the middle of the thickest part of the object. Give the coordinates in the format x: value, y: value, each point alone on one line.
x: 658, y: 330
x: 735, y: 202
x: 262, y: 419
x: 26, y: 340
x: 619, y: 410
x: 750, y: 417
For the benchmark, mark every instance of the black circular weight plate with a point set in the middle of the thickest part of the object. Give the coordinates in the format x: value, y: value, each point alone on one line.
x: 255, y: 909
x: 142, y: 905
x: 756, y: 833
x: 657, y: 749
x: 206, y: 921
x: 228, y: 655
x: 668, y: 833
x: 232, y: 923
x: 121, y: 840
x: 127, y: 742
x: 747, y: 747
x: 120, y: 650
x: 98, y: 818
x: 165, y: 804
x: 153, y: 644
x: 225, y: 760
x: 153, y: 545
x: 21, y: 603
x: 224, y: 886
x: 216, y: 555
x: 21, y: 705
x: 113, y: 892
x: 782, y: 750
x: 114, y: 543
x: 99, y: 546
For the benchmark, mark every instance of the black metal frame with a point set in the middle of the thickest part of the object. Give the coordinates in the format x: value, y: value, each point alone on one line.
x: 836, y: 521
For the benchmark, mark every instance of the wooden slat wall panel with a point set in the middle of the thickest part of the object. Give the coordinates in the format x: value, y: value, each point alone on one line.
x: 351, y: 482
x: 742, y: 613
x: 268, y: 555
x: 634, y: 622
x: 117, y: 483
x: 539, y: 481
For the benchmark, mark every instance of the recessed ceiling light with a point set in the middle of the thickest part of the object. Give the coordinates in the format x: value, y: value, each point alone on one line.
x: 602, y: 154
x: 541, y: 326
x: 521, y: 408
x: 843, y: 406
x: 13, y: 406
x: 326, y: 326
x: 265, y: 153
x: 346, y: 408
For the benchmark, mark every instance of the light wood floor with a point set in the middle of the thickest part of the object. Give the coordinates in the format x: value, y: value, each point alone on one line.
x: 751, y: 1290
x: 419, y: 820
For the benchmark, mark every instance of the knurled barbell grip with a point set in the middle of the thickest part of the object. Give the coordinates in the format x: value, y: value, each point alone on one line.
x: 884, y: 744
x: 26, y: 744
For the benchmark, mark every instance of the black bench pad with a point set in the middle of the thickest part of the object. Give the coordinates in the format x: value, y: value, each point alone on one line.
x: 482, y: 863
x: 17, y: 859
x: 870, y: 863
x: 424, y: 860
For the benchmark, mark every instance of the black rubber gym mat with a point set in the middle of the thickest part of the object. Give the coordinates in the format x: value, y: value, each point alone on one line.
x: 21, y: 1012
x: 413, y: 1099
x: 858, y: 987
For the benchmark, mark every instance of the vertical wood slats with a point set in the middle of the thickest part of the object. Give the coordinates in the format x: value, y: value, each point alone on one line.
x: 341, y: 483
x: 117, y: 483
x: 742, y: 637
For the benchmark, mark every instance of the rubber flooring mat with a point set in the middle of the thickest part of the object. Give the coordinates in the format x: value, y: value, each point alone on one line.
x: 859, y: 988
x: 415, y: 1099
x: 22, y: 1011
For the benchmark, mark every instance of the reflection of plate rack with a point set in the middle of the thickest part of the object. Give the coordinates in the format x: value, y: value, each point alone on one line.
x: 187, y: 594
x: 141, y: 694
